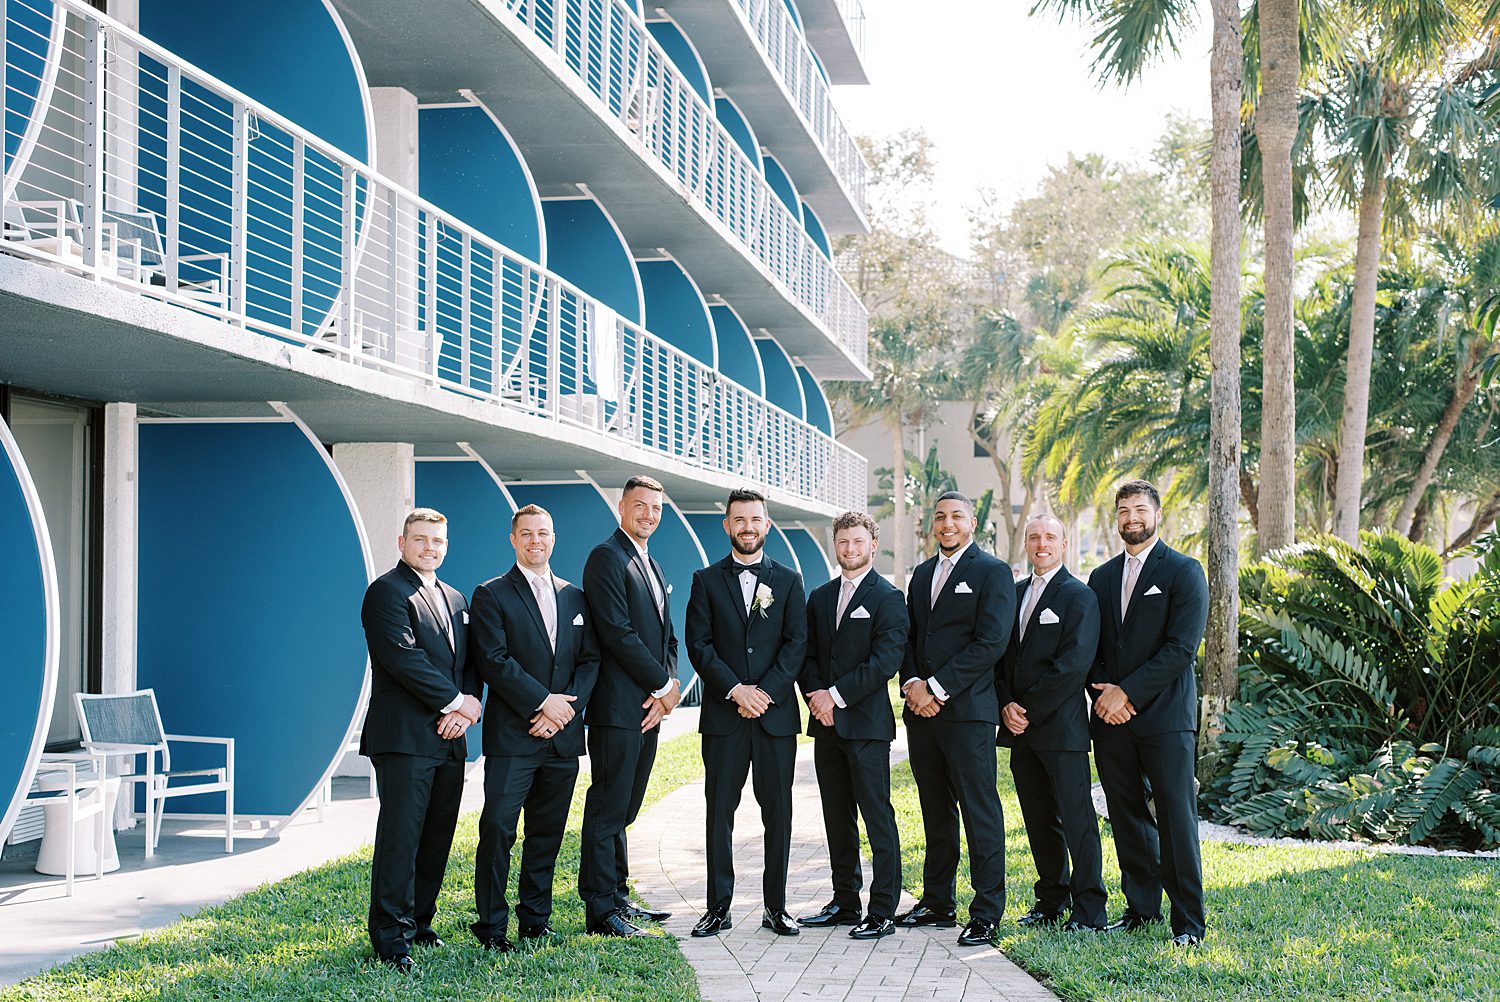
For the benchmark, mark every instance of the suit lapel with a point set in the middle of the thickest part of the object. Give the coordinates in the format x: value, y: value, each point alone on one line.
x: 444, y: 620
x: 954, y: 576
x: 1143, y: 580
x: 732, y: 583
x: 854, y: 600
x: 523, y: 590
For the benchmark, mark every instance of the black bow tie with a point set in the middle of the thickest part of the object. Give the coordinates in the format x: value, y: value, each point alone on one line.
x: 755, y: 569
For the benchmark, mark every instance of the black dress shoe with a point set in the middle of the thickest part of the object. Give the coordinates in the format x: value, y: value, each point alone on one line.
x: 497, y: 943
x: 637, y: 912
x: 1130, y: 922
x: 922, y: 915
x: 1075, y: 925
x: 873, y: 928
x: 1187, y: 940
x: 832, y: 914
x: 779, y: 922
x: 426, y: 937
x: 543, y: 931
x: 977, y: 933
x: 402, y: 964
x: 712, y: 923
x: 1039, y: 916
x: 617, y: 925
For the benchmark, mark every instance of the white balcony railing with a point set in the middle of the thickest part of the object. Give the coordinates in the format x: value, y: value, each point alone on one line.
x: 854, y: 19
x: 132, y: 167
x: 606, y: 44
x: 787, y: 50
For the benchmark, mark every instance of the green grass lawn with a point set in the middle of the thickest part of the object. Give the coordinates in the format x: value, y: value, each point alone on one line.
x: 1284, y: 923
x: 304, y: 938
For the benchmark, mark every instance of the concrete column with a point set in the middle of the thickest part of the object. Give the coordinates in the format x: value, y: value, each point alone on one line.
x: 385, y: 293
x: 118, y: 599
x: 382, y: 479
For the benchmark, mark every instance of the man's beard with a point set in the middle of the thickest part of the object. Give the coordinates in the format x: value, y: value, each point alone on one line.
x: 865, y: 562
x: 1137, y: 536
x: 740, y: 547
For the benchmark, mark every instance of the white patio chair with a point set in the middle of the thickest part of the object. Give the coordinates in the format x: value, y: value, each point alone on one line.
x: 75, y: 782
x: 129, y: 724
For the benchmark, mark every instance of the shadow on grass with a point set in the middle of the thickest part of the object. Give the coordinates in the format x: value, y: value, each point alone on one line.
x: 304, y: 938
x: 1284, y: 923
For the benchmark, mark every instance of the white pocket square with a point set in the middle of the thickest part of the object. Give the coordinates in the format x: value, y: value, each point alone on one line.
x: 1153, y: 590
x: 463, y: 616
x: 860, y: 613
x: 578, y: 619
x: 963, y: 589
x: 1045, y: 617
x: 669, y: 589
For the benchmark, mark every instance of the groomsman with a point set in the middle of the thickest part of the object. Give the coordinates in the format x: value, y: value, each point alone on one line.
x: 637, y: 686
x: 746, y: 636
x: 535, y: 648
x: 961, y: 605
x: 856, y: 636
x: 423, y: 697
x: 1153, y: 605
x: 1045, y: 722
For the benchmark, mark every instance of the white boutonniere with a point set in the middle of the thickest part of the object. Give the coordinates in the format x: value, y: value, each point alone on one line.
x: 762, y: 601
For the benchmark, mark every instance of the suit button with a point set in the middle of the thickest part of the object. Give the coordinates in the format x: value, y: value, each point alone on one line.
x: 749, y: 650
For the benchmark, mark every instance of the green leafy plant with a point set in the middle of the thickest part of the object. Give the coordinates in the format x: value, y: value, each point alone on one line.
x: 1369, y: 702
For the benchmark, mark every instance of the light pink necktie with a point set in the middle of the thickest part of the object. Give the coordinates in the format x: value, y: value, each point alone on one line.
x: 945, y: 566
x: 845, y: 594
x: 1032, y: 594
x: 1132, y: 571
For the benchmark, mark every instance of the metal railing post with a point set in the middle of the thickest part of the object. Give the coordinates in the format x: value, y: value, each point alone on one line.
x: 173, y: 248
x: 238, y: 212
x: 92, y: 196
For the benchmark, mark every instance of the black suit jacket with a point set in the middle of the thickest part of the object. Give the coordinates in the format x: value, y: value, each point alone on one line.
x: 520, y: 668
x: 414, y: 673
x: 637, y: 647
x: 858, y: 656
x: 728, y: 647
x: 1047, y: 670
x: 961, y: 639
x: 1152, y: 653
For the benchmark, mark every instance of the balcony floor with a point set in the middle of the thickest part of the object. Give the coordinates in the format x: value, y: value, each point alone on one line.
x: 435, y: 48
x: 67, y: 335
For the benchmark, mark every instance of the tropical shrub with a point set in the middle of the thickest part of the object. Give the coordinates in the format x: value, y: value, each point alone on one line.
x: 1369, y: 702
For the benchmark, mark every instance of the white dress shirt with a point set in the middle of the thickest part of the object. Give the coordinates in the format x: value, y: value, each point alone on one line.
x: 541, y: 584
x: 748, y: 584
x: 953, y: 558
x: 833, y: 690
x: 1125, y: 571
x: 430, y: 586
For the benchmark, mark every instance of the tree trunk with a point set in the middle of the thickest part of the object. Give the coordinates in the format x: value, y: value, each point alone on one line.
x: 1248, y: 495
x: 1485, y: 513
x: 1350, y: 483
x: 898, y: 500
x: 1276, y: 129
x: 1464, y: 388
x: 1222, y: 661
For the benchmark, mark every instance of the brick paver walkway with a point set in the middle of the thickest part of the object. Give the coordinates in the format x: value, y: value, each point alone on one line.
x: 750, y: 964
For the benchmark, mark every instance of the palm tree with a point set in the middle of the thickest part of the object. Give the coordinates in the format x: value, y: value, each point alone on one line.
x: 1399, y: 109
x: 1131, y: 35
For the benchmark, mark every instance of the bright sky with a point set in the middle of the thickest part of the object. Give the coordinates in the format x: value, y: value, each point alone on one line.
x: 1003, y: 96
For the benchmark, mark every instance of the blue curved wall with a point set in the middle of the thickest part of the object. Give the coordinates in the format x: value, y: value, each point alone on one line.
x: 678, y: 49
x: 675, y: 547
x: 783, y: 388
x: 678, y: 313
x: 28, y: 30
x: 251, y: 576
x: 781, y: 184
x: 814, y: 403
x: 814, y: 563
x: 24, y: 669
x: 739, y: 359
x: 780, y: 550
x: 710, y: 529
x: 738, y: 129
x: 470, y: 168
x: 814, y: 227
x: 478, y: 531
x: 289, y: 55
x: 584, y: 247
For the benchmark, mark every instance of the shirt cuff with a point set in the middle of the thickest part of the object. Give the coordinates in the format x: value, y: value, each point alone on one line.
x: 457, y: 702
x: 908, y: 683
x: 937, y: 690
x: 838, y: 700
x: 659, y: 693
x: 730, y: 694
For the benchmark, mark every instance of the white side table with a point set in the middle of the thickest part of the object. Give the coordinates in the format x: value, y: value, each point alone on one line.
x: 77, y: 798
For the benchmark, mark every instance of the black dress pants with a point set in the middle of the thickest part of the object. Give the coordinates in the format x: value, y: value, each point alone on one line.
x: 953, y: 762
x: 620, y: 761
x: 727, y: 760
x: 541, y: 783
x: 856, y: 774
x: 419, y: 800
x: 1160, y: 853
x: 1053, y: 787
